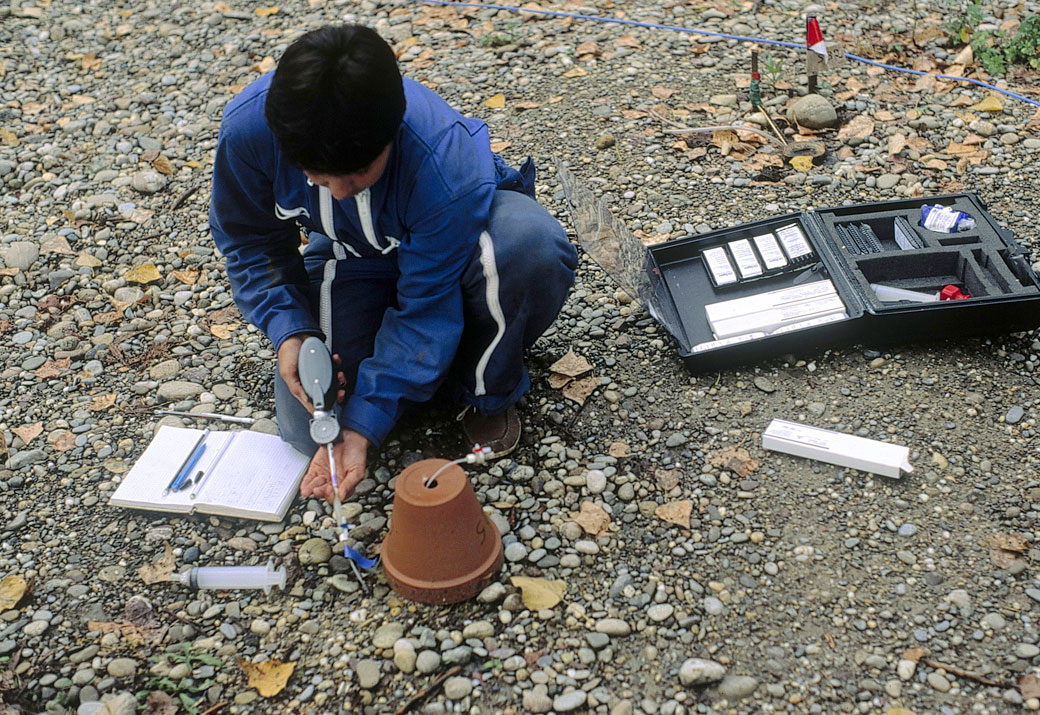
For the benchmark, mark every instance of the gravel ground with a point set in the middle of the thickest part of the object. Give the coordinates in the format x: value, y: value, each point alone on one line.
x: 798, y: 586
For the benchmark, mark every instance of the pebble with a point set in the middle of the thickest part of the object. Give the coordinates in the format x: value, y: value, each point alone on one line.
x: 427, y: 662
x: 697, y: 671
x: 368, y: 673
x: 515, y: 552
x: 613, y: 627
x: 737, y: 687
x: 938, y: 681
x: 596, y: 481
x: 387, y: 634
x: 315, y: 551
x: 567, y: 702
x: 457, y: 687
x: 122, y: 667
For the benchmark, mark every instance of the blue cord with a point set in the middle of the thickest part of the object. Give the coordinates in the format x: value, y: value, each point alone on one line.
x: 741, y: 38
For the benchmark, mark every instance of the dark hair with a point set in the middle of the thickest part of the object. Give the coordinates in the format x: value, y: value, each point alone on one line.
x: 336, y: 99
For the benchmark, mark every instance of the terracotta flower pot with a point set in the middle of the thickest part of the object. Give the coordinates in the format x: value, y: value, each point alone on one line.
x: 441, y: 547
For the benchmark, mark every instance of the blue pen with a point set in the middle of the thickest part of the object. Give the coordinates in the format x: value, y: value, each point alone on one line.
x: 180, y: 483
x: 189, y: 462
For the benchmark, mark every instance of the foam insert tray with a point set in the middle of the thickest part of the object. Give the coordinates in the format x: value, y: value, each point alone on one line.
x: 984, y: 262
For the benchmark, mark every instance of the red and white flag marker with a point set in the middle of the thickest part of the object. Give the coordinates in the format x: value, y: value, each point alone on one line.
x: 814, y: 38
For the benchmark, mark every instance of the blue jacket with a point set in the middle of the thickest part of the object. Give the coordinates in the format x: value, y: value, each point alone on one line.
x: 427, y: 211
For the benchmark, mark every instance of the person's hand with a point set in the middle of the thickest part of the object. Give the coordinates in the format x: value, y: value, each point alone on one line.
x: 289, y: 369
x: 351, y: 454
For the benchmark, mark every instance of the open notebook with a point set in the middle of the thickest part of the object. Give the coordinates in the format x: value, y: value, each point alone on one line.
x: 255, y: 477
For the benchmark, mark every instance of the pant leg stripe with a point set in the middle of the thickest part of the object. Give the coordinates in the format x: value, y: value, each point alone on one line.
x: 487, y: 262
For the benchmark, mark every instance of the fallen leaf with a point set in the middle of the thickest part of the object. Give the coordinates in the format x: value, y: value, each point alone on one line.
x: 676, y: 512
x: 571, y: 365
x: 102, y: 402
x: 538, y: 594
x: 499, y: 147
x: 1008, y: 542
x: 586, y: 48
x: 8, y: 136
x: 266, y: 11
x: 1029, y: 684
x: 27, y: 433
x: 801, y: 163
x: 159, y: 703
x: 144, y: 273
x: 62, y: 440
x: 991, y: 103
x: 3, y: 444
x: 269, y: 678
x: 617, y: 450
x: 592, y: 518
x: 627, y: 41
x: 223, y: 332
x: 896, y: 144
x: 12, y: 590
x: 56, y: 244
x: 1004, y: 560
x: 527, y: 104
x: 860, y: 126
x: 134, y: 635
x: 162, y: 165
x: 186, y: 277
x: 53, y: 368
x: 735, y: 459
x: 266, y: 64
x: 576, y: 72
x: 160, y: 570
x: 579, y: 390
x: 724, y: 139
x: 662, y: 92
x: 667, y: 479
x: 85, y: 259
x: 498, y: 101
x: 913, y: 654
x: 222, y: 7
x: 556, y: 380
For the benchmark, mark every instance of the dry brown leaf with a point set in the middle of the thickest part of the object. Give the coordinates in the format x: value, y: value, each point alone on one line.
x: 27, y: 433
x: 102, y: 402
x: 860, y: 127
x: 223, y: 332
x: 134, y: 635
x: 627, y: 41
x: 991, y: 103
x: 269, y: 678
x: 162, y: 165
x: 62, y: 440
x: 662, y: 92
x: 186, y: 277
x: 571, y: 365
x: 618, y: 450
x: 801, y: 163
x: 159, y: 703
x: 576, y: 72
x: 527, y: 104
x: 499, y: 147
x: 591, y: 518
x: 735, y: 459
x: 497, y: 101
x: 222, y: 7
x: 538, y: 594
x: 12, y: 590
x: 667, y: 479
x: 1008, y: 542
x: 896, y: 144
x: 579, y: 390
x: 266, y: 11
x: 160, y: 570
x: 556, y: 380
x: 914, y: 654
x: 724, y: 139
x: 676, y: 512
x: 937, y: 164
x: 1029, y: 685
x: 52, y: 368
x: 3, y: 444
x: 586, y: 48
x: 144, y: 274
x: 1004, y: 560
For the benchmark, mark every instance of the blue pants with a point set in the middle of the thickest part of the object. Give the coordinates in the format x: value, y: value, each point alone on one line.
x: 513, y: 287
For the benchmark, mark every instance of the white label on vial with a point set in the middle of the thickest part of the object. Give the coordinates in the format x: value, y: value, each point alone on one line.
x: 720, y: 267
x: 794, y: 241
x: 744, y: 256
x: 770, y: 251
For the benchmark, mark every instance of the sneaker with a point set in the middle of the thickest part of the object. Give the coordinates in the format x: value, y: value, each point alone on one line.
x: 500, y: 432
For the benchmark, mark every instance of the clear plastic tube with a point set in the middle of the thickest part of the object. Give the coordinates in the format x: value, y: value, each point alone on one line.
x: 233, y: 578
